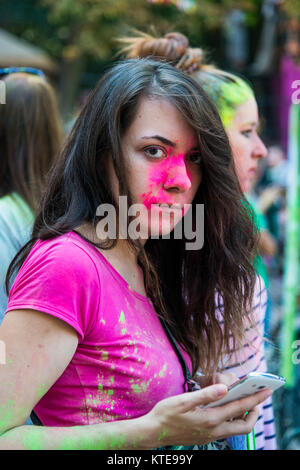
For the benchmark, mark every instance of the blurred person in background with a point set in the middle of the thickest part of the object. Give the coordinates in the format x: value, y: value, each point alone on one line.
x: 30, y: 138
x: 236, y: 103
x: 271, y: 189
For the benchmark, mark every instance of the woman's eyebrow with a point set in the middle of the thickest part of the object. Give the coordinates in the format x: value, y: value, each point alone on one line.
x: 252, y: 124
x: 162, y: 139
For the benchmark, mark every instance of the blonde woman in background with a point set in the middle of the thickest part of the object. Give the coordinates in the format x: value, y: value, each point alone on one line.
x: 30, y: 137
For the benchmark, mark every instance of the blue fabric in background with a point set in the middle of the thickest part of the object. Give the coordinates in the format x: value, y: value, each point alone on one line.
x: 237, y: 442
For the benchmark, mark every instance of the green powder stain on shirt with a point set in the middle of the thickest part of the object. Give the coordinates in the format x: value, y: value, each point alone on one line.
x: 136, y: 388
x: 162, y: 371
x: 122, y: 317
x: 145, y: 385
x: 122, y: 321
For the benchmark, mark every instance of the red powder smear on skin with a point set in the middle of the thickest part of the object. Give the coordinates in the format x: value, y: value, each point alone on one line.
x: 157, y: 177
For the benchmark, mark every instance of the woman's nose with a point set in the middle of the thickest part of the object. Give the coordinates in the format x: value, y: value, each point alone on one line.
x: 260, y: 150
x: 178, y: 178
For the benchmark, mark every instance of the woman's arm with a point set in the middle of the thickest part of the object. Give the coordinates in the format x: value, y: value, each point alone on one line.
x: 38, y: 349
x: 267, y: 244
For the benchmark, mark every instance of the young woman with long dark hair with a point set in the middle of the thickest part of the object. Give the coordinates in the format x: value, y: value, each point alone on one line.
x: 87, y: 325
x: 236, y: 104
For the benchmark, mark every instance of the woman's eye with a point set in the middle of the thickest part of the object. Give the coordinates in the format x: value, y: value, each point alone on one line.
x: 195, y: 157
x: 154, y: 152
x: 247, y: 132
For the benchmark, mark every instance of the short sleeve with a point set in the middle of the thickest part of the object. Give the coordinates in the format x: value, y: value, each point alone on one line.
x: 59, y: 278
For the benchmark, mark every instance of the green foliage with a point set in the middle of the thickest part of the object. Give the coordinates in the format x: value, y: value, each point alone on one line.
x: 292, y: 8
x: 71, y: 28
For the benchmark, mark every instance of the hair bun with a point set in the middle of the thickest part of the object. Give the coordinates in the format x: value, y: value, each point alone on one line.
x: 192, y: 60
x: 179, y: 44
x: 172, y: 47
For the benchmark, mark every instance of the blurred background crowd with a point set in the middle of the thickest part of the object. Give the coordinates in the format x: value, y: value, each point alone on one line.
x: 74, y: 41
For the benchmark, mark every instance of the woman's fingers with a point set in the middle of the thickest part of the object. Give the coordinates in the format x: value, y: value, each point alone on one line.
x: 240, y: 426
x: 238, y: 408
x: 188, y: 401
x: 227, y: 378
x: 201, y: 424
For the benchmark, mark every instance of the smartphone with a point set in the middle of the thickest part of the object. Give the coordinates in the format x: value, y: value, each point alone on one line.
x: 252, y: 383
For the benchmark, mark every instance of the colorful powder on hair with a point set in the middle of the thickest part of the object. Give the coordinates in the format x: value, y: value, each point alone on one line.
x: 227, y: 91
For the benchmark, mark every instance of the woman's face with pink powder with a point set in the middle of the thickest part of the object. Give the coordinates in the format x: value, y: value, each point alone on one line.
x: 163, y: 163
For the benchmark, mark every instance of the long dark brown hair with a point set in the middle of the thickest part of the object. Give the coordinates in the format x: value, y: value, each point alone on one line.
x: 30, y: 136
x: 183, y: 285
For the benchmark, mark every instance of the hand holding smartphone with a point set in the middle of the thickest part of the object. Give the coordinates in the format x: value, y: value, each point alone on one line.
x: 253, y: 382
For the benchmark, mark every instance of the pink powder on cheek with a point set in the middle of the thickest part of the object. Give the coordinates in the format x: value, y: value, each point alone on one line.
x: 156, y: 178
x: 158, y: 175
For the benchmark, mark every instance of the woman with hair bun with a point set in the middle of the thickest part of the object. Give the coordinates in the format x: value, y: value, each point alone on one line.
x: 236, y: 104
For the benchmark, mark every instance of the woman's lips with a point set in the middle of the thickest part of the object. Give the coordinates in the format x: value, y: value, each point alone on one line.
x: 167, y: 205
x: 164, y: 205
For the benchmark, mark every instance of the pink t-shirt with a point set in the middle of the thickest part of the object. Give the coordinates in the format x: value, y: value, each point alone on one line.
x: 124, y: 363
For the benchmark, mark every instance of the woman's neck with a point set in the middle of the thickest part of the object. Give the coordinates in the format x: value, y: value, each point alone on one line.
x: 122, y: 249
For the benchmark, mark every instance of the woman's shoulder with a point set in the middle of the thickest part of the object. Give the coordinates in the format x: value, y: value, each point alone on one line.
x: 13, y: 203
x: 15, y: 212
x: 16, y: 220
x: 59, y: 277
x: 68, y: 249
